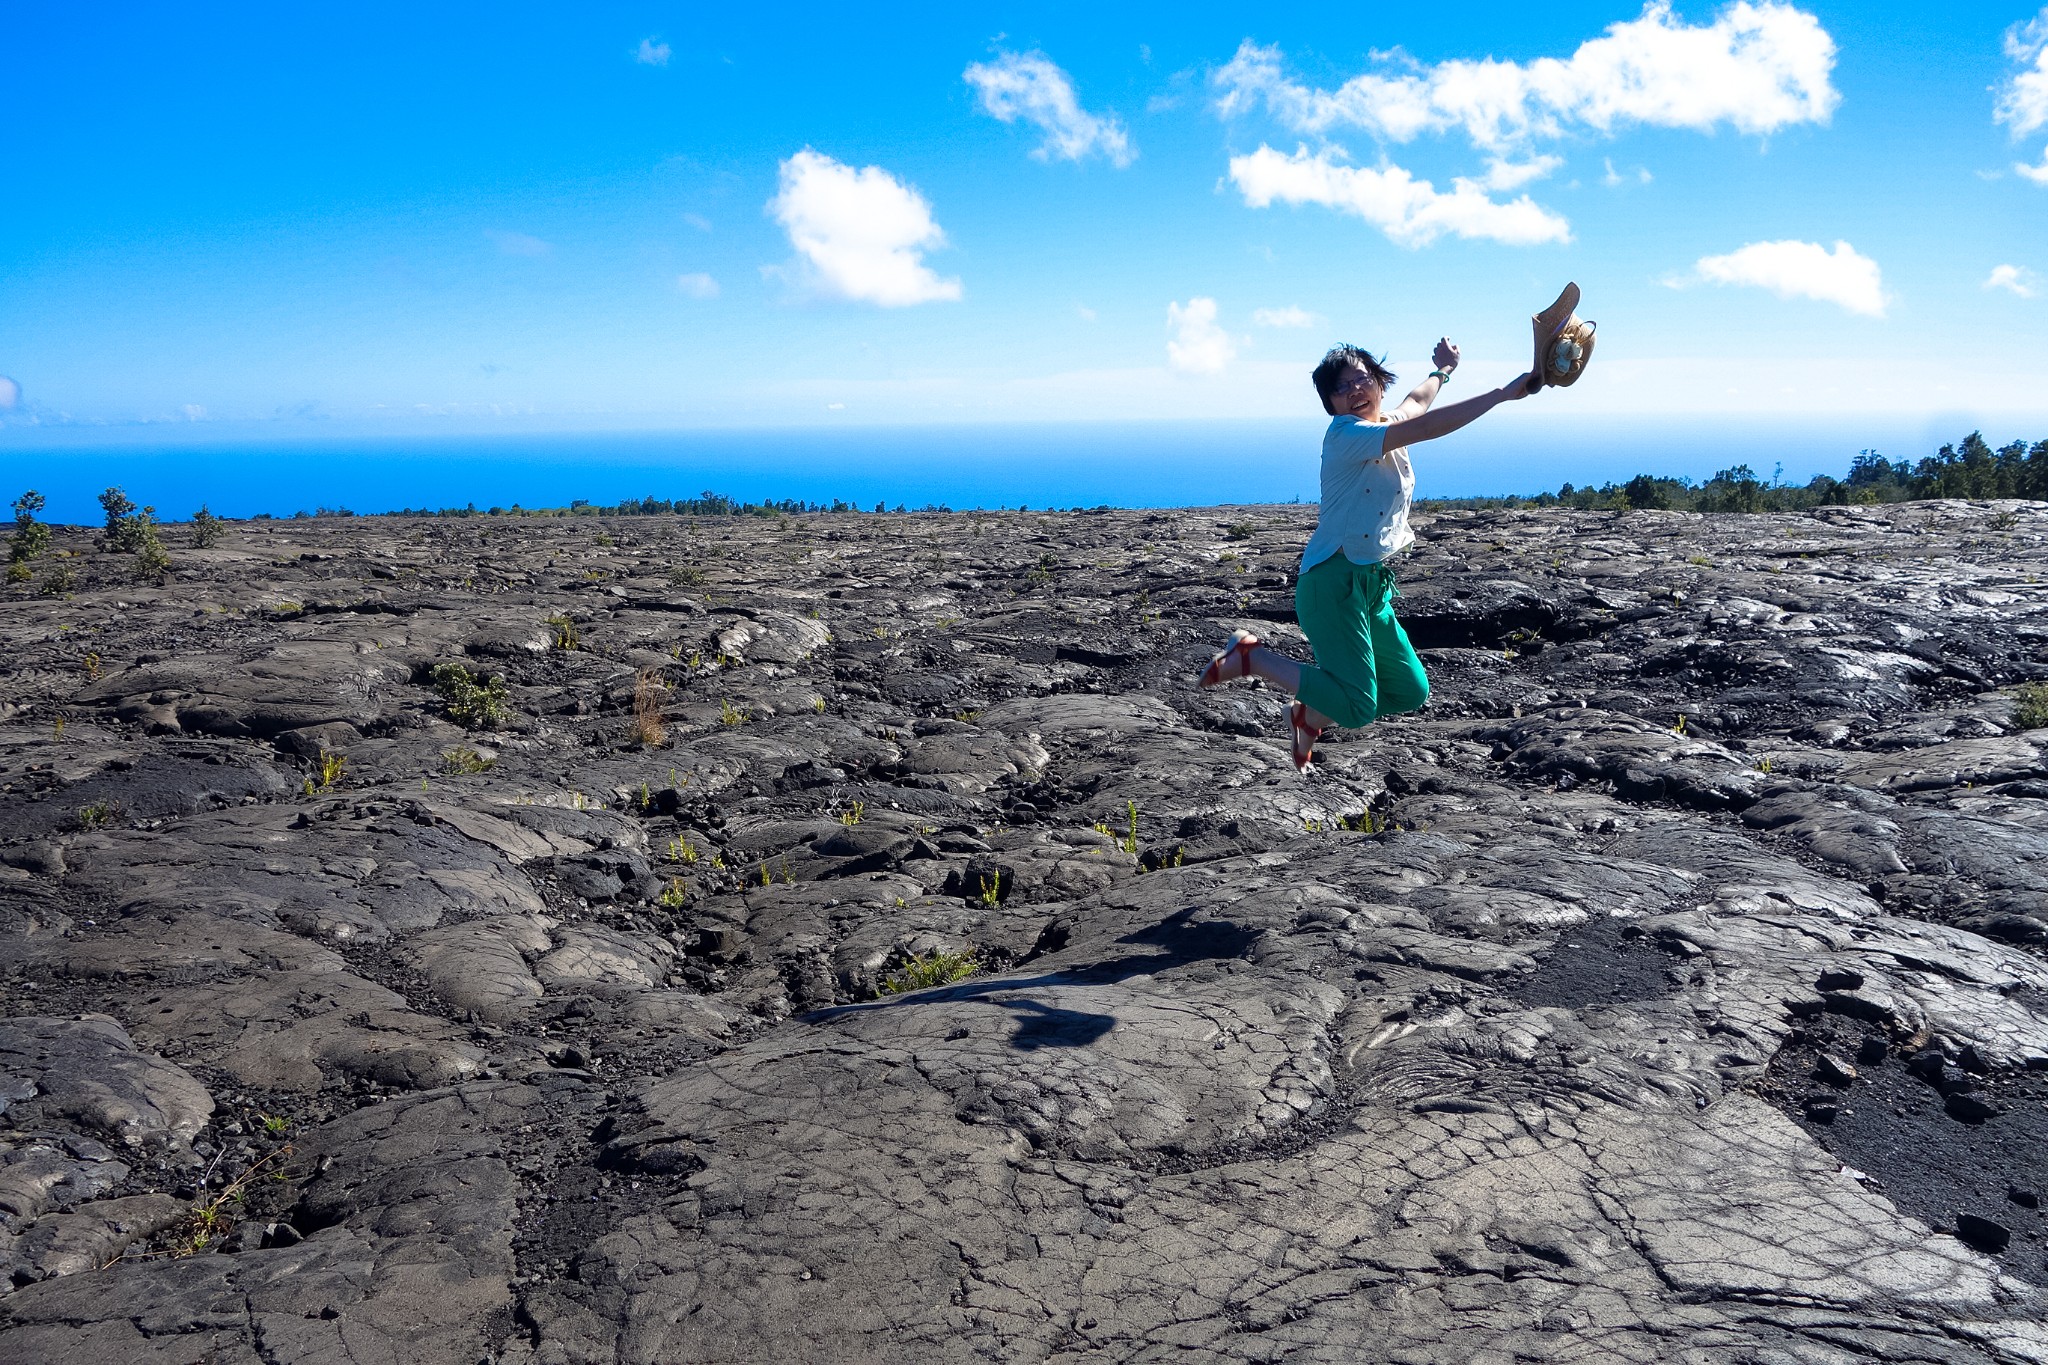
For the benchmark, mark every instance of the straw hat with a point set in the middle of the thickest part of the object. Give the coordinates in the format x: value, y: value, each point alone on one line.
x: 1564, y: 342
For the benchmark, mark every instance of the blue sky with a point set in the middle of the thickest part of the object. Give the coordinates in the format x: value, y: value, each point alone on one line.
x: 445, y: 218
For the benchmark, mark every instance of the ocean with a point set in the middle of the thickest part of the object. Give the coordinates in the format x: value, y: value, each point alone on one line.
x: 1040, y: 465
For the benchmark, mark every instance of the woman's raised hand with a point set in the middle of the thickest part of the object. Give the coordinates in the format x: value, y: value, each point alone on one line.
x: 1446, y: 356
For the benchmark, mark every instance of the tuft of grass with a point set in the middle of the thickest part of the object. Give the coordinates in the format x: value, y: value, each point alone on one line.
x: 332, y: 766
x: 676, y: 894
x: 474, y: 703
x: 563, y: 630
x: 91, y: 664
x: 925, y: 970
x: 1679, y: 728
x: 1129, y: 843
x: 1240, y: 530
x: 97, y: 814
x: 648, y: 727
x: 465, y: 763
x: 2030, y: 706
x: 685, y: 576
x: 681, y: 850
x: 728, y: 714
x: 991, y: 890
x: 853, y: 813
x: 818, y: 705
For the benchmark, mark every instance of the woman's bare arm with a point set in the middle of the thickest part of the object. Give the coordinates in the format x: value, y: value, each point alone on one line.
x: 1427, y: 426
x: 1422, y: 395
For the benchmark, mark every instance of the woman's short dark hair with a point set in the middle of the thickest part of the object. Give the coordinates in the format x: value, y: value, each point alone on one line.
x: 1342, y: 358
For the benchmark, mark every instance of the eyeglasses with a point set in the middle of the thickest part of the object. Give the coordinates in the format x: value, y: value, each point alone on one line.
x: 1358, y: 381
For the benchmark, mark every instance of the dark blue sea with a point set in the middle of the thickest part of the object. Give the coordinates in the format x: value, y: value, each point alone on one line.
x: 238, y: 472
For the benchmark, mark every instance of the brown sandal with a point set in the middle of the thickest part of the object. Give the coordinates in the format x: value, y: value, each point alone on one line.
x: 1234, y: 662
x: 1305, y: 735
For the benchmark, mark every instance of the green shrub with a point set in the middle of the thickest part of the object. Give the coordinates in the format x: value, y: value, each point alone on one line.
x: 926, y: 970
x: 207, y: 529
x: 2030, y: 706
x: 473, y: 703
x: 31, y: 537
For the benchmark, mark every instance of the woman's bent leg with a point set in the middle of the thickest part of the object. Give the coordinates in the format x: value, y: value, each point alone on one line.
x: 1402, y: 684
x: 1342, y: 683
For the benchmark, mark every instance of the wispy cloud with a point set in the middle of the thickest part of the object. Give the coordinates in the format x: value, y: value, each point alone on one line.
x: 2023, y: 99
x: 1290, y: 316
x: 1800, y: 270
x: 861, y: 234
x: 518, y: 243
x: 697, y: 285
x: 1029, y: 86
x: 1198, y: 345
x: 2014, y: 279
x: 1411, y: 212
x: 652, y: 52
x: 1613, y: 178
x: 1756, y: 68
x: 698, y: 221
x: 10, y: 394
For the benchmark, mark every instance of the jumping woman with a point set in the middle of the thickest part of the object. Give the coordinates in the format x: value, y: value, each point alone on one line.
x: 1344, y: 597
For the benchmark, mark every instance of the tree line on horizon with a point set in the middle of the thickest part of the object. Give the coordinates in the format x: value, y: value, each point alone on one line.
x: 1967, y: 469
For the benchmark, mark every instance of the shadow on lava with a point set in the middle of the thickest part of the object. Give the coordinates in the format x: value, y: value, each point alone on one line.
x: 1182, y: 940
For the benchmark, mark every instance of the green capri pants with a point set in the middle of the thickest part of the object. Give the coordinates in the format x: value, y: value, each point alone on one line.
x: 1365, y: 668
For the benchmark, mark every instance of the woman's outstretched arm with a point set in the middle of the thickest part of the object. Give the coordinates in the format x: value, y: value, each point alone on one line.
x: 1427, y: 426
x: 1422, y: 395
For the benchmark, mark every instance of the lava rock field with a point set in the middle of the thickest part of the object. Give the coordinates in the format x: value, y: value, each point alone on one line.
x: 839, y: 938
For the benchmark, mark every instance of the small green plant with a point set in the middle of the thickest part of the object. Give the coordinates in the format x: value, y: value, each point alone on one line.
x: 473, y: 703
x: 604, y: 538
x: 2004, y: 521
x: 332, y: 766
x: 991, y: 890
x: 644, y: 802
x: 91, y: 665
x: 61, y: 579
x: 18, y: 571
x: 853, y: 813
x: 277, y: 1125
x: 925, y: 970
x: 818, y: 705
x: 681, y: 850
x: 728, y: 714
x: 1679, y: 728
x: 287, y: 607
x: 207, y: 529
x: 1129, y: 843
x: 97, y: 814
x: 1763, y: 765
x: 766, y: 879
x: 121, y: 533
x: 2030, y: 706
x: 57, y: 728
x: 1367, y: 821
x: 465, y: 763
x: 152, y: 560
x: 563, y: 631
x: 31, y: 537
x: 685, y: 576
x: 1239, y: 530
x: 675, y: 895
x: 1042, y: 573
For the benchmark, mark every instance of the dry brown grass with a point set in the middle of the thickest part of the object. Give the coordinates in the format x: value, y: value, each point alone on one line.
x: 649, y: 690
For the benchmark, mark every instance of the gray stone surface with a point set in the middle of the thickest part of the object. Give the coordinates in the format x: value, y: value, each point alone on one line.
x: 1670, y: 989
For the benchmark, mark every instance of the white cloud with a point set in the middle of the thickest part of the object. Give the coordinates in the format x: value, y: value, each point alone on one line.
x: 1502, y: 174
x: 1411, y: 212
x: 698, y: 221
x: 2015, y: 279
x: 2037, y: 174
x: 652, y: 52
x: 518, y: 243
x: 1802, y: 270
x: 1198, y: 345
x: 10, y: 394
x: 2023, y: 100
x: 1756, y: 67
x: 698, y: 285
x: 1290, y: 316
x: 1086, y: 313
x: 1029, y: 86
x: 862, y: 233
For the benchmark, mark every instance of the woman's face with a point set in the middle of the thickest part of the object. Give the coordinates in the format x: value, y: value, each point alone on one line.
x: 1357, y: 394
